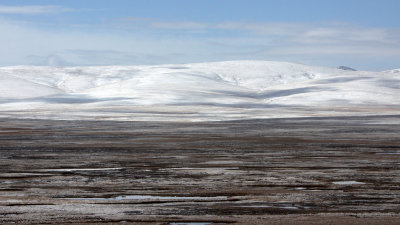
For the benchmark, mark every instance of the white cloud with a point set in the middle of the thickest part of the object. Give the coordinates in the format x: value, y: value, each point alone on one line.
x: 148, y: 41
x: 297, y: 32
x: 179, y: 25
x: 349, y: 33
x: 33, y: 9
x: 278, y: 29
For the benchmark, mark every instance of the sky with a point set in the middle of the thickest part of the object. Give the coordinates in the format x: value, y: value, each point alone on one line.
x: 363, y: 34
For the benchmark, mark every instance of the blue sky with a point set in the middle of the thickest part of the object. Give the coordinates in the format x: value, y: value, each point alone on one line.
x: 361, y: 34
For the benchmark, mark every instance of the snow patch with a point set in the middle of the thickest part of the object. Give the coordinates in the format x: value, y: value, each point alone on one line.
x: 350, y: 182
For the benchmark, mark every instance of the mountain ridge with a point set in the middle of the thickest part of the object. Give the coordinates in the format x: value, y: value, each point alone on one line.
x: 233, y: 86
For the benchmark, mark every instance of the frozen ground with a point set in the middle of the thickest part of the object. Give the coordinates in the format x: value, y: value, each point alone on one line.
x: 273, y: 171
x: 195, y: 92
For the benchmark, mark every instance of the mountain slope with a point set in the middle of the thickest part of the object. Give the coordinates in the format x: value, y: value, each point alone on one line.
x: 243, y: 89
x: 16, y: 88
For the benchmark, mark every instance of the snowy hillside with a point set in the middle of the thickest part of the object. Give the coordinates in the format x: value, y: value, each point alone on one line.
x: 202, y: 91
x: 393, y: 71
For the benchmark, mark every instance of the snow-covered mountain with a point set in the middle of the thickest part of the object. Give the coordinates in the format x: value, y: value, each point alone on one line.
x: 201, y: 91
x: 393, y: 71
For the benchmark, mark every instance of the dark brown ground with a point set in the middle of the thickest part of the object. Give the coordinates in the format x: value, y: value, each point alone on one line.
x: 278, y: 171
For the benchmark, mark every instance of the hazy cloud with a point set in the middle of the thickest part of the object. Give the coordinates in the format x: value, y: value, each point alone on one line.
x: 178, y: 25
x: 150, y: 41
x: 33, y: 9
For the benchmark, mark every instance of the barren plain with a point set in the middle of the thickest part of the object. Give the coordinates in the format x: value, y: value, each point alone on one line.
x: 331, y: 170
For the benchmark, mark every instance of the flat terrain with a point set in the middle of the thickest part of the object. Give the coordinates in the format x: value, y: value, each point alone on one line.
x: 343, y: 170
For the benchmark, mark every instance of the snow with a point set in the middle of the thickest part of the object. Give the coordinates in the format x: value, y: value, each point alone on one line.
x: 80, y: 169
x: 151, y: 197
x: 393, y: 71
x: 195, y: 92
x: 16, y: 88
x: 350, y: 182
